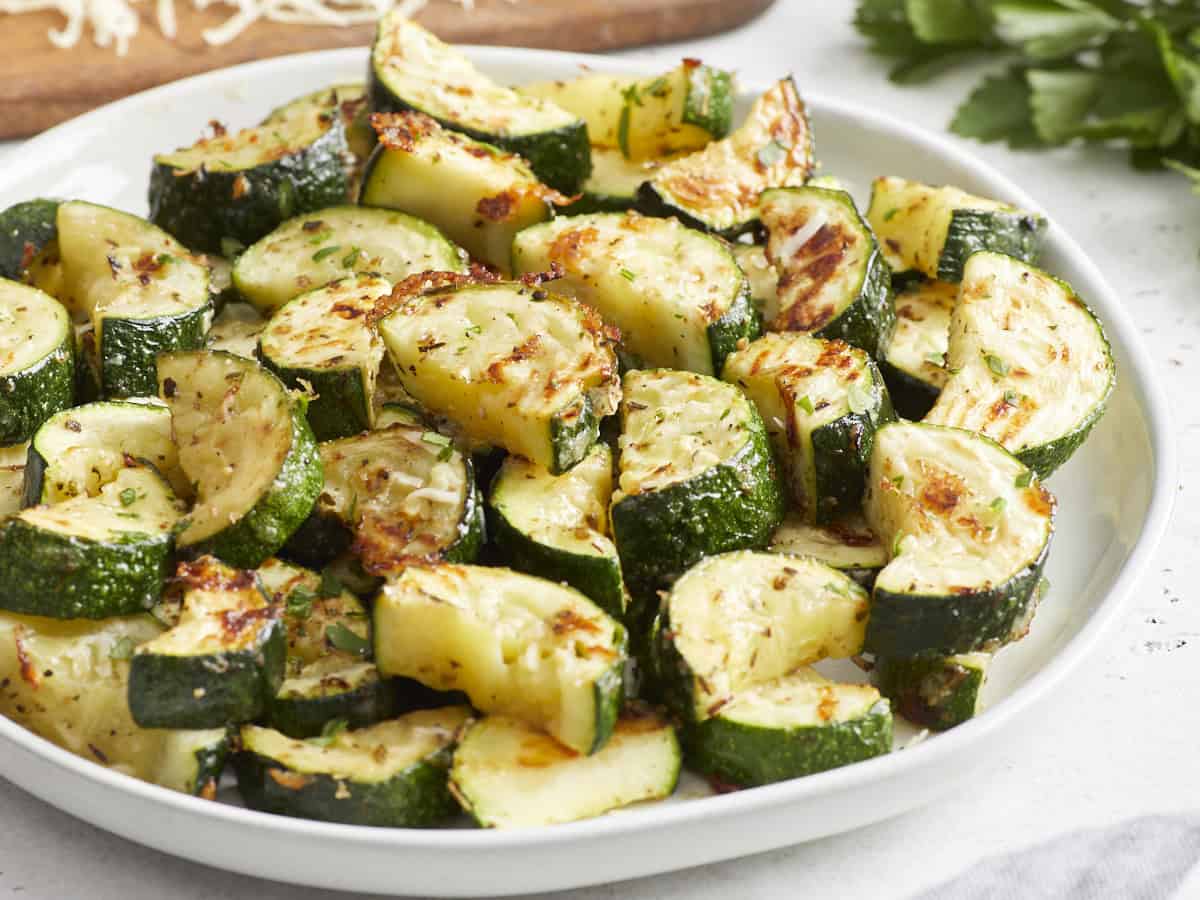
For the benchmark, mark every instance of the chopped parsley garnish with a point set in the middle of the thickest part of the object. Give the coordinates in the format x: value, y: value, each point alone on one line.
x: 659, y: 87
x: 342, y: 638
x: 351, y: 258
x: 1024, y: 479
x: 1012, y: 398
x: 325, y: 252
x: 887, y: 216
x: 329, y: 732
x: 128, y: 497
x: 805, y: 404
x: 331, y: 585
x: 997, y: 505
x: 299, y: 602
x: 938, y: 359
x: 627, y: 275
x: 998, y: 366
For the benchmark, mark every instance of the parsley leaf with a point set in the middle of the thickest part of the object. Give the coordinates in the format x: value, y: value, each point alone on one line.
x: 998, y: 366
x: 1024, y: 479
x: 805, y: 404
x: 128, y: 497
x: 342, y: 638
x: 325, y: 252
x: 329, y: 732
x: 299, y: 602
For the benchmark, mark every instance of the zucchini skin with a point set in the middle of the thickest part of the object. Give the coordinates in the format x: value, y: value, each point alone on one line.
x: 734, y: 505
x: 650, y: 202
x: 209, y: 690
x: 320, y: 539
x: 740, y: 322
x: 129, y: 348
x: 418, y: 797
x: 868, y: 321
x: 912, y: 398
x: 65, y: 577
x: 268, y: 524
x: 305, y: 717
x: 25, y: 230
x: 572, y: 433
x: 199, y: 207
x: 30, y: 397
x: 749, y: 755
x: 1016, y: 234
x: 911, y: 683
x: 1045, y: 458
x: 342, y: 406
x: 561, y: 159
x: 906, y: 625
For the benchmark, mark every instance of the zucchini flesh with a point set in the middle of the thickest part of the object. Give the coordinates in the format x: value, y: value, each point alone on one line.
x: 192, y: 761
x: 1031, y: 366
x: 26, y: 229
x: 391, y: 775
x: 934, y: 230
x: 936, y: 692
x: 311, y: 251
x: 847, y: 545
x: 324, y: 341
x: 515, y: 644
x: 12, y: 478
x: 968, y: 528
x: 822, y: 402
x: 696, y: 476
x: 246, y: 445
x: 91, y: 556
x: 647, y: 118
x: 833, y: 282
x: 797, y: 725
x: 763, y: 278
x: 236, y: 330
x: 517, y: 366
x: 677, y: 296
x: 138, y: 286
x: 37, y: 360
x: 347, y: 102
x: 407, y: 495
x: 508, y: 775
x: 739, y: 620
x: 914, y: 359
x: 716, y: 189
x: 79, y: 450
x: 223, y: 660
x: 412, y: 70
x: 474, y: 193
x: 239, y: 187
x: 556, y: 526
x: 326, y: 675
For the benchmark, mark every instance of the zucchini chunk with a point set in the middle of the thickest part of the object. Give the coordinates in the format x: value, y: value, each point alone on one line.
x: 914, y: 359
x: 556, y: 526
x: 696, y: 476
x: 142, y: 292
x: 645, y: 118
x: 934, y: 230
x: 509, y: 775
x: 236, y: 330
x: 325, y: 342
x: 1031, y: 366
x: 77, y: 451
x: 326, y: 676
x: 37, y: 360
x: 833, y: 282
x: 677, y: 295
x: 229, y: 190
x: 822, y: 402
x: 91, y: 557
x: 517, y: 366
x: 412, y: 70
x: 716, y: 189
x: 349, y: 103
x: 12, y: 478
x: 311, y: 251
x: 399, y: 495
x: 847, y: 545
x: 614, y: 182
x: 391, y: 775
x: 221, y: 663
x: 763, y: 278
x: 515, y: 644
x: 191, y: 762
x: 26, y: 229
x: 968, y: 528
x: 794, y: 726
x: 246, y: 445
x: 474, y: 193
x: 743, y: 619
x: 935, y: 692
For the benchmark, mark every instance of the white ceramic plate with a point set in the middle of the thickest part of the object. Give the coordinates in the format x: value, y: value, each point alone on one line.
x: 1115, y: 497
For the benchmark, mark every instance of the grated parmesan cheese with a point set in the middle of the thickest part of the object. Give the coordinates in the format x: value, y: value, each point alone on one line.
x: 115, y: 22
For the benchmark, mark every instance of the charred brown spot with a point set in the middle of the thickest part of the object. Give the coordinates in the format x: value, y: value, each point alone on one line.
x: 241, y: 187
x: 206, y: 574
x: 942, y: 492
x: 236, y: 622
x: 415, y: 286
x: 348, y: 311
x: 312, y: 225
x: 29, y: 672
x: 538, y: 752
x: 533, y: 279
x: 209, y: 791
x: 566, y: 621
x: 28, y: 252
x: 98, y: 753
x: 827, y: 705
x: 402, y: 131
x: 567, y: 247
x: 524, y: 350
x: 292, y: 781
x: 721, y: 786
x: 499, y: 208
x: 907, y: 311
x: 851, y: 538
x: 1040, y: 500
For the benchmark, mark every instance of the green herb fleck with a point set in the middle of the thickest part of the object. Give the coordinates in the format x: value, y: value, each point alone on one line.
x: 896, y: 543
x: 627, y: 275
x: 623, y: 130
x: 1024, y: 479
x: 938, y: 359
x: 474, y: 329
x: 329, y: 732
x: 350, y: 258
x: 433, y: 437
x: 325, y: 252
x: 164, y: 259
x: 997, y: 505
x: 805, y: 403
x: 128, y: 497
x: 887, y: 216
x: 331, y: 585
x: 1011, y: 398
x: 659, y: 87
x: 998, y: 366
x: 342, y: 638
x: 299, y: 602
x: 122, y: 648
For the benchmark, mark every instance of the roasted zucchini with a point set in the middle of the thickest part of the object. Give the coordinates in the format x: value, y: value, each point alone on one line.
x: 936, y: 692
x: 26, y: 229
x: 677, y: 295
x: 347, y: 102
x: 913, y: 361
x: 847, y: 545
x: 515, y: 644
x: 37, y: 360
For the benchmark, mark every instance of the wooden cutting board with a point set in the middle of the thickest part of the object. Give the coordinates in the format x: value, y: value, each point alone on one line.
x: 53, y: 85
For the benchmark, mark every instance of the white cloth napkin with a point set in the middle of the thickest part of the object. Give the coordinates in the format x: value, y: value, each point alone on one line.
x: 1141, y: 859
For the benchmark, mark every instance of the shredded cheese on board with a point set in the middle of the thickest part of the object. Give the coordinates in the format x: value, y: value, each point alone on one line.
x: 114, y: 23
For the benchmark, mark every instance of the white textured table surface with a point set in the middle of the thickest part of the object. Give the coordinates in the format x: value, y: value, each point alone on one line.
x: 1120, y: 741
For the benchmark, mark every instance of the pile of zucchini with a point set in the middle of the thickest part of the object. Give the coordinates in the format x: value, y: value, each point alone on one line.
x: 438, y: 446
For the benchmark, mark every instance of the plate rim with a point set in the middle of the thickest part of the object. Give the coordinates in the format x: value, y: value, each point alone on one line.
x: 1144, y: 377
